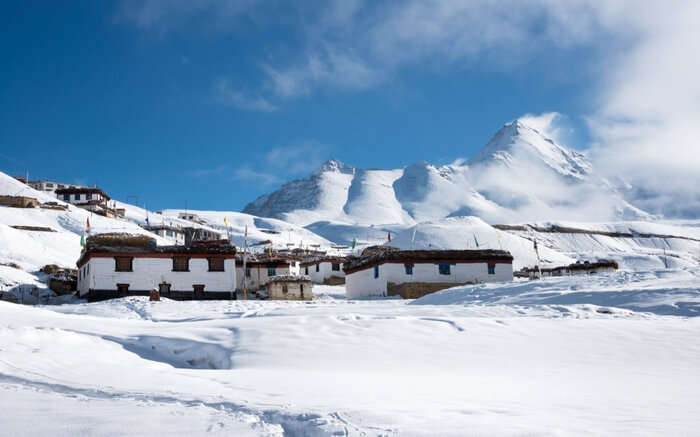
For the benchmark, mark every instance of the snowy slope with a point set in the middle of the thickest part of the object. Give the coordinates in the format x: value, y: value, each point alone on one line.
x: 281, y: 234
x: 32, y: 250
x: 531, y: 358
x: 321, y: 196
x: 467, y: 232
x: 519, y: 175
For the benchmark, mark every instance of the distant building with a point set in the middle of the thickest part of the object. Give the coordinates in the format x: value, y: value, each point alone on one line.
x: 193, y: 234
x: 91, y: 199
x: 261, y: 268
x: 118, y: 265
x: 578, y: 268
x: 191, y: 217
x: 324, y: 270
x: 175, y: 234
x: 289, y: 288
x: 415, y: 273
x: 50, y: 186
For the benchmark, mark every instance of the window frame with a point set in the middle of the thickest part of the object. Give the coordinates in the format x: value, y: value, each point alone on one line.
x: 444, y: 269
x: 491, y: 268
x: 118, y: 259
x: 180, y: 258
x: 273, y: 270
x: 376, y: 271
x: 217, y: 260
x: 408, y: 268
x: 335, y: 267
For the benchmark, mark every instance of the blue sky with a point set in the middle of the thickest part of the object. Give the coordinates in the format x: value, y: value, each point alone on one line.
x: 215, y: 103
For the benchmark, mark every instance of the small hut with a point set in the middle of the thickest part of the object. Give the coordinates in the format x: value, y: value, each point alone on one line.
x: 289, y: 287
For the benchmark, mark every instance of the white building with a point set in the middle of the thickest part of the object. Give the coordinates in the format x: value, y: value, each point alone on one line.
x: 261, y: 268
x: 50, y: 186
x: 415, y: 273
x: 324, y: 270
x: 91, y: 199
x: 172, y: 233
x: 121, y: 269
x: 579, y: 268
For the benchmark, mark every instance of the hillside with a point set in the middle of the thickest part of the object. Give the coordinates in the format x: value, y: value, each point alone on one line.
x: 520, y: 175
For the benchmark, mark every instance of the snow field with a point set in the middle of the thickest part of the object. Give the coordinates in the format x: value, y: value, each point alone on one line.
x: 501, y: 366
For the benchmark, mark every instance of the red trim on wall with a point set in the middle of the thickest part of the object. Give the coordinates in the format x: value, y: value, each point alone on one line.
x: 84, y: 260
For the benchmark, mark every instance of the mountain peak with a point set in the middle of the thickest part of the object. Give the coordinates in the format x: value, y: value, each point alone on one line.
x: 333, y: 165
x: 516, y: 143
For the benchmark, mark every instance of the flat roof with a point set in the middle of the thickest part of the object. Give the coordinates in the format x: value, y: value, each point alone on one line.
x: 427, y: 257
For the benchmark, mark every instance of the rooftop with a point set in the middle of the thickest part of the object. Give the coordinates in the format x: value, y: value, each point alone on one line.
x: 437, y: 256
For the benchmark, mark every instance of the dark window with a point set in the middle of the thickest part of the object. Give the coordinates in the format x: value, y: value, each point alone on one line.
x: 271, y: 271
x: 164, y: 287
x: 247, y: 272
x: 122, y: 289
x: 77, y: 197
x: 301, y: 288
x: 306, y: 270
x: 49, y: 185
x: 198, y: 290
x: 181, y: 264
x: 123, y: 264
x: 216, y: 264
x: 444, y: 269
x: 66, y: 197
x: 492, y: 269
x: 285, y: 290
x: 294, y: 263
x: 409, y: 268
x: 317, y: 267
x: 88, y: 196
x: 376, y: 271
x: 335, y: 267
x: 169, y: 233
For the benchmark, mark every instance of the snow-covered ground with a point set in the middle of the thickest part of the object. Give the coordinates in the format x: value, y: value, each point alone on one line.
x: 553, y: 357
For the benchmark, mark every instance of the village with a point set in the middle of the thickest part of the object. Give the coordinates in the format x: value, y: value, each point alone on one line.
x: 197, y: 262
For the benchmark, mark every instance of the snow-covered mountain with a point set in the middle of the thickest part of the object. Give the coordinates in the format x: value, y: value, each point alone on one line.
x: 519, y: 175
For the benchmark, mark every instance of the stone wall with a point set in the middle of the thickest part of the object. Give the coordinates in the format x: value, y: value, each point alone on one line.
x: 414, y: 290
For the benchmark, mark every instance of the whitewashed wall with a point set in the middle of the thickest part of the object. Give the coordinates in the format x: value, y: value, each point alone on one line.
x: 325, y: 271
x: 258, y: 275
x: 363, y: 283
x: 149, y: 272
x: 83, y: 198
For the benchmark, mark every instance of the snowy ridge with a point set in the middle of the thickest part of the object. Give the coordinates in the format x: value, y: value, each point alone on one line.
x: 519, y: 175
x: 516, y: 142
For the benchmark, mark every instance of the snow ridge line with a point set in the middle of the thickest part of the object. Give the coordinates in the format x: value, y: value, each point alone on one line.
x: 294, y: 425
x: 556, y: 229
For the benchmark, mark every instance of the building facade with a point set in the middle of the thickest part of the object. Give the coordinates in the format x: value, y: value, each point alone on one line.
x: 172, y: 233
x: 50, y: 186
x: 260, y: 269
x: 415, y: 273
x: 289, y: 288
x: 324, y: 270
x: 90, y: 199
x: 178, y: 272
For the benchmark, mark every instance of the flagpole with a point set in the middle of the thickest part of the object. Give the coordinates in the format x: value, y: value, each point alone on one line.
x: 245, y: 250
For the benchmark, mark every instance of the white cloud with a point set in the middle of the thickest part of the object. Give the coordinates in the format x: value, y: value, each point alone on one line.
x: 550, y: 124
x: 282, y: 163
x: 226, y: 95
x: 259, y: 177
x: 639, y: 61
